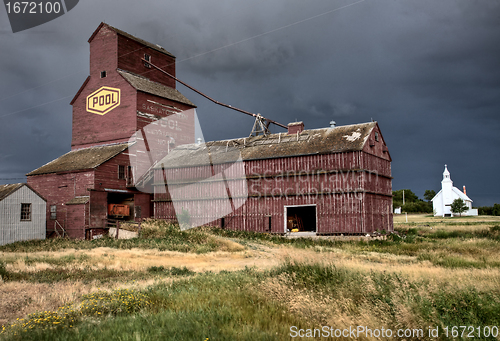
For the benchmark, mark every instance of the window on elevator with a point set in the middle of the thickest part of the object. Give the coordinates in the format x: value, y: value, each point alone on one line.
x: 121, y: 172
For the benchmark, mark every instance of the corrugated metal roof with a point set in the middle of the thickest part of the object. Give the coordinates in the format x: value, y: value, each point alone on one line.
x: 78, y: 200
x: 309, y: 142
x: 81, y: 159
x: 6, y: 190
x: 145, y: 85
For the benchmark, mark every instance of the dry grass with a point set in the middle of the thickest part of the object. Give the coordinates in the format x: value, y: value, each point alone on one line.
x: 234, y: 258
x: 482, y: 279
x: 340, y: 311
x: 431, y: 227
x: 17, y: 299
x: 426, y: 224
x: 20, y: 299
x: 425, y: 218
x: 349, y: 303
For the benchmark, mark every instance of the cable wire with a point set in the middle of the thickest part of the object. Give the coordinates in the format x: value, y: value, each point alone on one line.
x: 182, y: 60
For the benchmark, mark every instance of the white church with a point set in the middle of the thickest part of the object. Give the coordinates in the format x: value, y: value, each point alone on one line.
x: 442, y: 201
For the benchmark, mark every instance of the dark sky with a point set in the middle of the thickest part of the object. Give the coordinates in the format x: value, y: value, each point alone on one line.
x: 428, y: 71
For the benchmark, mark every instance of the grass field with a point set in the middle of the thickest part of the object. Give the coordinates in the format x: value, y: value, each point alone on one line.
x: 214, y: 284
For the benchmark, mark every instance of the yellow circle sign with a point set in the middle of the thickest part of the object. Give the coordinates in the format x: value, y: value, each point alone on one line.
x: 104, y: 100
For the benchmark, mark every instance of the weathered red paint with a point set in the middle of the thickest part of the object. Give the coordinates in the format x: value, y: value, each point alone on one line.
x: 59, y: 189
x: 131, y: 52
x: 296, y: 127
x: 352, y: 191
x: 110, y: 51
x: 97, y: 184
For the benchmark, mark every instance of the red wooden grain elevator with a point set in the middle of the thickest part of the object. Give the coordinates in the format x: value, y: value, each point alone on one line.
x: 328, y: 181
x: 121, y: 95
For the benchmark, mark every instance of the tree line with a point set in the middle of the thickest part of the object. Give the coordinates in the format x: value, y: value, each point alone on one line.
x: 413, y: 204
x: 489, y: 210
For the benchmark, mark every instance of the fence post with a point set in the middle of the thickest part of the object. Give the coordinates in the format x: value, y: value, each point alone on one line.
x: 117, y: 228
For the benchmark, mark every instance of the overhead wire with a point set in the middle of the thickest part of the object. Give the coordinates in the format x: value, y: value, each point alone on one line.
x: 52, y: 81
x: 272, y: 31
x: 36, y: 106
x: 185, y: 59
x: 61, y: 78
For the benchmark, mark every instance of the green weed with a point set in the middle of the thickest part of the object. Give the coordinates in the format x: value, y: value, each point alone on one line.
x: 46, y: 324
x: 4, y: 274
x: 173, y: 271
x: 61, y: 261
x: 84, y: 275
x: 236, y: 306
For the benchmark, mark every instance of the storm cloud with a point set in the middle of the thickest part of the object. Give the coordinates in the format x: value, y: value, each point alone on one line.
x: 427, y: 71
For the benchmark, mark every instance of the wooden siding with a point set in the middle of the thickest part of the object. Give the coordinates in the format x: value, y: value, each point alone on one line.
x: 12, y: 229
x: 106, y: 175
x: 181, y: 129
x: 58, y: 189
x: 103, y: 52
x: 116, y: 126
x: 110, y: 51
x: 142, y: 206
x: 77, y: 220
x: 131, y: 52
x: 352, y: 192
x: 377, y: 148
x: 98, y: 209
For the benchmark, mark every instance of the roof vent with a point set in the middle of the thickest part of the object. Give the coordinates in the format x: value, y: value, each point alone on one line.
x: 295, y: 127
x: 199, y: 140
x: 333, y: 124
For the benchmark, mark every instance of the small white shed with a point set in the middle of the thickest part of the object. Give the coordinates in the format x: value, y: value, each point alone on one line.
x: 22, y: 214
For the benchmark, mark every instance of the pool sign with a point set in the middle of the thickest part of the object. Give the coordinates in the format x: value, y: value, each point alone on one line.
x: 103, y: 100
x: 28, y: 14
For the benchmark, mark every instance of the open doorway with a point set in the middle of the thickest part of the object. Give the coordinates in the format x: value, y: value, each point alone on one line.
x: 300, y: 218
x: 120, y: 206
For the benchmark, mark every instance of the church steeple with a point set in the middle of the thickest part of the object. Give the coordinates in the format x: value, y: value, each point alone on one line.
x: 446, y: 184
x: 446, y: 175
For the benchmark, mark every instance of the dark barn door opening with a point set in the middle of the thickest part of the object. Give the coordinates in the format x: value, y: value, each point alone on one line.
x: 301, y: 218
x: 120, y: 206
